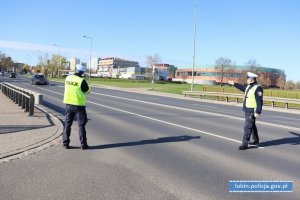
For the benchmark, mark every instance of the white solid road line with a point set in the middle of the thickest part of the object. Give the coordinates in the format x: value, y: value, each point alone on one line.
x: 289, y: 118
x: 199, y: 105
x: 199, y: 111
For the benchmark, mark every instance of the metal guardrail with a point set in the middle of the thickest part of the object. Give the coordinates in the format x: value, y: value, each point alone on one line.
x: 241, y: 96
x: 22, y: 97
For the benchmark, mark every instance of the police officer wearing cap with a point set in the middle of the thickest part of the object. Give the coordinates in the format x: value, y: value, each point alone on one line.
x: 76, y: 89
x: 252, y: 107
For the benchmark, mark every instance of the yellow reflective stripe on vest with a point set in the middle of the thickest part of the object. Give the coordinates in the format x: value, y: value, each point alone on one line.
x: 73, y: 94
x: 250, y: 98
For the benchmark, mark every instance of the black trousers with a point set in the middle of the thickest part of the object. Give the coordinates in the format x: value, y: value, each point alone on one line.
x: 71, y: 112
x: 250, y: 128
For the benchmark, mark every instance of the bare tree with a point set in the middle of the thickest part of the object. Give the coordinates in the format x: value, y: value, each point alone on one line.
x: 265, y: 79
x: 297, y: 85
x: 6, y: 62
x: 223, y: 66
x: 153, y: 59
x: 254, y: 67
x: 26, y: 68
x: 290, y: 85
x: 55, y: 64
x: 281, y: 81
x: 2, y: 56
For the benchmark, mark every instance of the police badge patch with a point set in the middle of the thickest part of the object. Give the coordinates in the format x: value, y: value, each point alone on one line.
x: 259, y: 93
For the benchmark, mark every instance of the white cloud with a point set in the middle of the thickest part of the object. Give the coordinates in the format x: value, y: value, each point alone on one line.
x: 68, y: 52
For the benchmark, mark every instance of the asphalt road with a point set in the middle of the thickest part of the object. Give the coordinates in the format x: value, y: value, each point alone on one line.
x: 153, y: 147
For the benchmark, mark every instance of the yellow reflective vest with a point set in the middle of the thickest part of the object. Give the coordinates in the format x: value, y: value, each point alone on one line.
x: 250, y: 97
x: 73, y: 93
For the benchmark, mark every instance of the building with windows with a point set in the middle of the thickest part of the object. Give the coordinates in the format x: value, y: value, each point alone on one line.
x: 94, y: 64
x: 72, y: 63
x: 161, y: 71
x: 209, y: 75
x: 114, y: 67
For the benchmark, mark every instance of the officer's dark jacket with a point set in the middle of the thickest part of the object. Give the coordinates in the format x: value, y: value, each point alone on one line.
x: 84, y: 85
x: 258, y: 97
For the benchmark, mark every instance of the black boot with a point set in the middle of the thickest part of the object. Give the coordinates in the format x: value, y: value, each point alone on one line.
x: 243, y: 147
x: 256, y: 142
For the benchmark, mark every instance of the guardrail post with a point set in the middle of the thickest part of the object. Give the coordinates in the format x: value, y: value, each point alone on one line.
x: 23, y: 101
x: 20, y: 99
x: 17, y: 98
x: 31, y: 105
x: 287, y: 105
x: 26, y: 105
x: 13, y: 96
x: 273, y: 104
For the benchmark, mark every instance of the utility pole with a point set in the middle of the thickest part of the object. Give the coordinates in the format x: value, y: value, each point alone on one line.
x: 91, y: 40
x: 194, y: 56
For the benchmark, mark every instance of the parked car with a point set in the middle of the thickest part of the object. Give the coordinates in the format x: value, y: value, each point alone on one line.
x: 12, y: 75
x: 2, y: 74
x: 39, y: 79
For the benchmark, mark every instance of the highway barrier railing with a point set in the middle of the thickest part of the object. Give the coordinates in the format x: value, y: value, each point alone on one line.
x: 239, y: 97
x: 26, y: 99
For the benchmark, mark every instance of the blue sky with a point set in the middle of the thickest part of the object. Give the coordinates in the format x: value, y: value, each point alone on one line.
x: 263, y: 30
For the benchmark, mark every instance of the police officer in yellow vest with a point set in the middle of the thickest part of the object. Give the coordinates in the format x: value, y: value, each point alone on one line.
x: 76, y: 89
x: 252, y: 106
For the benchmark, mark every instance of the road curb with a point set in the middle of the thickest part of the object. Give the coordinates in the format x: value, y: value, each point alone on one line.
x: 54, y: 139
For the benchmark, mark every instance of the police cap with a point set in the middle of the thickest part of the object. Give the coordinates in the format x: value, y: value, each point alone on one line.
x: 251, y: 75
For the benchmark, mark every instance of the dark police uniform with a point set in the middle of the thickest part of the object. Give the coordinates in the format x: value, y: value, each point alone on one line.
x: 76, y: 89
x: 252, y: 104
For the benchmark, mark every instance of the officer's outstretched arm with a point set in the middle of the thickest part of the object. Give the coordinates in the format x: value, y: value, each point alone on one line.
x: 240, y: 87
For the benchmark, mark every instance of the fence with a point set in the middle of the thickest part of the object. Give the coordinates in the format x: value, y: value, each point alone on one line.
x: 273, y: 100
x: 22, y: 97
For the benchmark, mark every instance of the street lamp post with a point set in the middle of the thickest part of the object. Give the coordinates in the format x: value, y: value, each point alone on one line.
x: 195, y: 5
x: 58, y: 54
x: 91, y: 39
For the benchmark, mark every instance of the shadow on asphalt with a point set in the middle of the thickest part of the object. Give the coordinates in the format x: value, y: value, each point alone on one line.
x: 58, y: 109
x: 145, y: 142
x: 18, y: 128
x: 290, y: 140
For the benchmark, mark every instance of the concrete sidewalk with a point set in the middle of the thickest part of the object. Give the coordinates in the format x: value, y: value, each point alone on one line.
x: 21, y: 135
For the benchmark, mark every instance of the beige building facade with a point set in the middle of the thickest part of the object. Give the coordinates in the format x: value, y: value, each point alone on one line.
x: 112, y: 66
